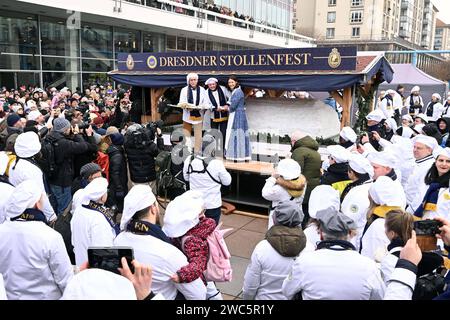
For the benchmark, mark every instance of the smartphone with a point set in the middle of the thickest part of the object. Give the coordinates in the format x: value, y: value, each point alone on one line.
x: 427, y: 227
x: 109, y: 258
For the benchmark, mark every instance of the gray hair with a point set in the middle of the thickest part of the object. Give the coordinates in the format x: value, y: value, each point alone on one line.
x: 297, y: 135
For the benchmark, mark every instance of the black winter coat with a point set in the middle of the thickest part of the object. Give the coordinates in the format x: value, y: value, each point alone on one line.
x: 65, y: 152
x: 118, y: 175
x: 85, y: 158
x: 335, y: 173
x: 141, y: 161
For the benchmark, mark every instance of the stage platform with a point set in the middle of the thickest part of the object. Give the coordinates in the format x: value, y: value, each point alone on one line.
x: 248, y: 179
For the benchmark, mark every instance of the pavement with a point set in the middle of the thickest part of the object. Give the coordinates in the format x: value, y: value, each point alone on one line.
x: 247, y: 233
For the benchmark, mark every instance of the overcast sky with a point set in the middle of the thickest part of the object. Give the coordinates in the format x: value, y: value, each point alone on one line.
x: 444, y: 9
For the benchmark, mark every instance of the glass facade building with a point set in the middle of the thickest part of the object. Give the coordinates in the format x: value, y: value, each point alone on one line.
x: 41, y: 50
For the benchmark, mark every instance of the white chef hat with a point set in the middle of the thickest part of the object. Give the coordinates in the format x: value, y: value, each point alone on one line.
x: 182, y: 213
x: 138, y: 198
x: 98, y: 284
x: 323, y: 197
x: 33, y: 115
x: 390, y: 91
x: 191, y: 76
x: 422, y: 116
x: 415, y: 89
x: 338, y: 153
x: 437, y: 96
x: 426, y: 140
x: 24, y: 196
x: 407, y: 117
x: 376, y: 115
x: 289, y: 169
x: 211, y: 81
x: 360, y: 164
x: 391, y: 124
x: 385, y: 192
x: 27, y: 144
x: 348, y: 134
x: 439, y: 151
x: 94, y: 190
x: 383, y: 158
x: 4, y: 160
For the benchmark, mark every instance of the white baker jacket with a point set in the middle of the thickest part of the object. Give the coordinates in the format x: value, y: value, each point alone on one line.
x: 5, y: 190
x: 276, y: 193
x: 374, y: 241
x: 34, y: 261
x: 266, y: 272
x: 165, y: 260
x: 328, y: 274
x: 202, y: 181
x: 416, y: 188
x: 89, y: 229
x: 25, y: 170
x: 204, y: 101
x: 355, y: 205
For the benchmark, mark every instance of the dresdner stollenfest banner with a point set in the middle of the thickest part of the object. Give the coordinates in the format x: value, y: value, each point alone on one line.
x: 297, y: 59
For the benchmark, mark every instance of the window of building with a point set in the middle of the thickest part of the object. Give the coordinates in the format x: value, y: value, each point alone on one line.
x: 356, y: 16
x: 330, y: 33
x: 357, y: 3
x: 181, y: 44
x: 331, y: 17
x: 171, y: 42
x: 332, y: 2
x: 126, y: 40
x: 96, y: 41
x: 356, y: 32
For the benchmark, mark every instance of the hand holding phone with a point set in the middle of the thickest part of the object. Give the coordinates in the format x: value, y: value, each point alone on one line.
x: 109, y: 258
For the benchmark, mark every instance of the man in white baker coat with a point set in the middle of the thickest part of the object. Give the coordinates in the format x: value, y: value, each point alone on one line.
x: 34, y: 260
x: 416, y: 188
x: 356, y: 202
x: 140, y: 230
x: 335, y: 271
x: 196, y: 95
x: 92, y: 224
x: 25, y: 167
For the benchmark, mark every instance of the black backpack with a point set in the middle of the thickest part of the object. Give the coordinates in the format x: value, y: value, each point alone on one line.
x: 62, y: 225
x: 47, y: 161
x: 429, y: 287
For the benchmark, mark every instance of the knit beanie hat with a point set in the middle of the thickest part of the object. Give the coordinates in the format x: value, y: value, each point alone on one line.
x: 61, y: 124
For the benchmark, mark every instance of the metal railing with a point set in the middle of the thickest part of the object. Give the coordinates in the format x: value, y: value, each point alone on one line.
x: 203, y: 15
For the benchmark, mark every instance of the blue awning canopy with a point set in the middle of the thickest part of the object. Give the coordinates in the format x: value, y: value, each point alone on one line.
x: 367, y: 67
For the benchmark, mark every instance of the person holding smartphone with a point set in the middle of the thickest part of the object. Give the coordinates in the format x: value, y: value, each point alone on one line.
x: 141, y: 231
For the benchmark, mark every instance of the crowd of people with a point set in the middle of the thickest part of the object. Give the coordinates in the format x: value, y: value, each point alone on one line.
x: 210, y: 6
x: 77, y: 170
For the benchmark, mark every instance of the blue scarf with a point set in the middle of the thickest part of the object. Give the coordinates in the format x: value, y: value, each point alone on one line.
x: 105, y: 212
x: 194, y: 113
x: 31, y: 215
x: 219, y: 115
x: 429, y: 200
x: 147, y: 228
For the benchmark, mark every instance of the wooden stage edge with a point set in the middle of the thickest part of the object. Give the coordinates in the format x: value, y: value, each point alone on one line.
x: 265, y: 168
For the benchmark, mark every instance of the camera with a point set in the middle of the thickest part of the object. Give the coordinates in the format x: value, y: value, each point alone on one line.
x: 427, y: 227
x: 109, y: 258
x: 152, y: 126
x: 83, y: 125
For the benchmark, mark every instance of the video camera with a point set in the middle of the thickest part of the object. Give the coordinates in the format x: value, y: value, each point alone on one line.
x: 152, y: 126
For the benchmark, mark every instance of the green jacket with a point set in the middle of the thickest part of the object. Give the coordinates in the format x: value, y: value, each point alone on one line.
x: 305, y: 153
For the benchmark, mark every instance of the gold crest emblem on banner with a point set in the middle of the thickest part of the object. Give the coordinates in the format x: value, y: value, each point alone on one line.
x: 152, y: 62
x: 334, y: 59
x: 130, y: 62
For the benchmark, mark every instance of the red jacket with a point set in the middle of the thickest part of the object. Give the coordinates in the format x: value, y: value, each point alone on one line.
x: 196, y: 250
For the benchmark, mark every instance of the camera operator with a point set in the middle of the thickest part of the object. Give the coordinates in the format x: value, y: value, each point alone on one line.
x: 375, y: 121
x: 93, y: 141
x: 141, y: 152
x: 68, y: 143
x: 120, y: 114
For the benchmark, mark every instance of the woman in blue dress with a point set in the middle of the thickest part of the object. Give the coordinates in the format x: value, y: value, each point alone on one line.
x: 237, y: 140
